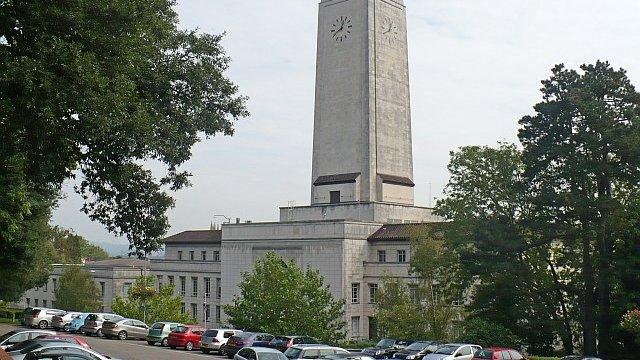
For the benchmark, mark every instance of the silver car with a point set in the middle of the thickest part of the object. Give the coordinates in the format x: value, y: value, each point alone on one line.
x: 259, y: 353
x: 64, y: 351
x: 62, y: 322
x: 312, y: 351
x: 125, y: 329
x: 36, y: 345
x: 18, y: 336
x: 41, y: 317
x: 453, y: 351
x: 93, y: 323
x: 214, y: 339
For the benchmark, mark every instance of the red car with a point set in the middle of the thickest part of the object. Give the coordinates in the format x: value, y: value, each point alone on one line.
x: 187, y: 337
x: 496, y: 353
x: 69, y: 338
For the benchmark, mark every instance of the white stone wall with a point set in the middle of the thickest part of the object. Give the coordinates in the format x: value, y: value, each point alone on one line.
x: 349, y: 192
x: 371, y: 212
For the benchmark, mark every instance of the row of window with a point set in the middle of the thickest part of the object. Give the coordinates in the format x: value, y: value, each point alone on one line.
x: 401, y: 256
x: 36, y: 303
x: 203, y: 255
x: 206, y: 311
x: 194, y: 285
x: 373, y: 290
x: 45, y: 287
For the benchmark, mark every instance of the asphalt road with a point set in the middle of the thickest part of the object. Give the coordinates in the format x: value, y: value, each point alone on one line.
x: 134, y: 349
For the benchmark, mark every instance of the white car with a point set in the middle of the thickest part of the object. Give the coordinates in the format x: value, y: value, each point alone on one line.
x: 18, y: 336
x: 215, y: 339
x: 454, y: 351
x: 259, y: 353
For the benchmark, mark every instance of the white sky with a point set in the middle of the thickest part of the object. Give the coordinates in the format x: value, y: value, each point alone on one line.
x: 475, y: 69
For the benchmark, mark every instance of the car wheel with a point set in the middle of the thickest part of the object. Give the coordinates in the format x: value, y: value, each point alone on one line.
x: 189, y: 346
x: 230, y: 356
x: 151, y: 343
x: 122, y: 335
x: 43, y: 324
x: 66, y: 328
x: 165, y: 342
x: 99, y: 333
x: 172, y: 347
x: 205, y: 351
x: 222, y: 351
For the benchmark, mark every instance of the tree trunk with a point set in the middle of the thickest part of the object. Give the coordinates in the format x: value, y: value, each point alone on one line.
x: 588, y: 306
x: 605, y: 322
x: 566, y: 335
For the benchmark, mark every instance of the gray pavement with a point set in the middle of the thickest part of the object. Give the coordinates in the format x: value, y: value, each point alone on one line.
x: 133, y: 349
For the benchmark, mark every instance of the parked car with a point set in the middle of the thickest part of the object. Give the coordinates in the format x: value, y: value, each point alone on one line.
x: 73, y: 339
x: 237, y: 342
x: 215, y: 339
x: 77, y: 322
x: 26, y: 312
x: 312, y: 351
x: 259, y: 353
x: 160, y: 331
x: 40, y: 342
x: 18, y: 336
x: 417, y: 350
x: 496, y: 353
x: 386, y: 348
x: 41, y: 317
x: 125, y: 329
x: 454, y: 351
x: 61, y: 322
x: 67, y: 352
x: 348, y: 356
x: 282, y: 343
x: 185, y: 336
x: 579, y: 357
x: 93, y: 323
x: 34, y: 345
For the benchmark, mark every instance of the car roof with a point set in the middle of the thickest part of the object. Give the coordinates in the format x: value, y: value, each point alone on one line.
x: 315, y: 346
x: 459, y: 344
x: 71, y: 348
x: 263, y: 349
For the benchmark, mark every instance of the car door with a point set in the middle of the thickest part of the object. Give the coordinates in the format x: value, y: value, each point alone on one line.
x: 243, y: 354
x: 141, y: 329
x: 310, y: 354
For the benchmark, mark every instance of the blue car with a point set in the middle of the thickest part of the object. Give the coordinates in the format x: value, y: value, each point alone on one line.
x: 77, y: 322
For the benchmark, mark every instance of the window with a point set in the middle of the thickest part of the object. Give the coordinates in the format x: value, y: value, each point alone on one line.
x: 179, y: 255
x: 382, y: 256
x: 217, y: 313
x: 55, y: 283
x: 466, y: 350
x: 207, y: 312
x: 515, y: 355
x: 373, y: 289
x: 216, y: 256
x: 182, y: 308
x: 355, y: 293
x: 192, y: 255
x: 46, y: 286
x: 207, y: 287
x: 194, y: 310
x: 355, y: 326
x: 53, y: 304
x: 35, y: 301
x: 44, y: 303
x: 170, y: 279
x: 28, y: 302
x: 334, y: 197
x: 402, y: 256
x: 102, y: 288
x: 218, y: 289
x: 159, y: 282
x: 125, y: 289
x: 194, y: 282
x: 183, y: 285
x: 413, y: 292
x: 204, y: 255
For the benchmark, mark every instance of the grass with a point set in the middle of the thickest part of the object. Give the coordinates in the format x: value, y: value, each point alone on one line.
x: 8, y: 321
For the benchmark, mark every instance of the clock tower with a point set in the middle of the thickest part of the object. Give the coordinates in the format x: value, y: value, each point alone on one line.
x: 362, y: 127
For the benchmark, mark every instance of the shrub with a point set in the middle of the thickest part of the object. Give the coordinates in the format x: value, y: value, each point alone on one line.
x: 487, y: 334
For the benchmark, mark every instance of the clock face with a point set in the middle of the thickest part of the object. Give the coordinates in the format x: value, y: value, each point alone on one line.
x: 390, y: 30
x: 341, y: 28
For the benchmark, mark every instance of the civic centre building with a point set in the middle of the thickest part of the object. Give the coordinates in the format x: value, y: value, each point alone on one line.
x: 357, y: 226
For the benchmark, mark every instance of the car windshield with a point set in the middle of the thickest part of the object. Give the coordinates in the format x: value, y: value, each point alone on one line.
x: 158, y: 326
x: 92, y: 317
x: 181, y: 329
x: 7, y: 335
x: 447, y: 350
x: 279, y: 340
x: 418, y: 345
x: 210, y: 333
x: 271, y: 356
x: 385, y: 343
x: 484, y: 354
x: 22, y: 345
x: 293, y: 353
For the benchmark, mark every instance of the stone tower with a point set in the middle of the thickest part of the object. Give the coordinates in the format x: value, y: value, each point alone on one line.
x: 362, y: 126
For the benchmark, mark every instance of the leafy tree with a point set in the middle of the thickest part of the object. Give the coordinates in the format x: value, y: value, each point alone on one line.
x: 278, y: 297
x: 510, y: 268
x: 96, y: 90
x: 582, y: 156
x: 77, y: 291
x: 146, y: 304
x: 72, y: 248
x: 488, y: 334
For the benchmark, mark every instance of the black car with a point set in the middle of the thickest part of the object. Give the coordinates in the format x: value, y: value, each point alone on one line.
x: 417, y: 350
x: 282, y: 343
x: 237, y: 342
x: 386, y: 348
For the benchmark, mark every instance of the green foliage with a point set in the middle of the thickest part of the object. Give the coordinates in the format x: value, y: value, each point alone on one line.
x: 488, y: 334
x: 146, y: 304
x: 280, y: 298
x: 72, y: 248
x: 77, y: 291
x: 97, y: 89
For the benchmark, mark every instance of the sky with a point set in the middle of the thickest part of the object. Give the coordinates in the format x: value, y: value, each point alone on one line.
x: 475, y: 69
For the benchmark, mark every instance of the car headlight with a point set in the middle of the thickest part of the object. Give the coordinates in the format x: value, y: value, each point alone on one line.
x: 379, y: 352
x: 410, y: 357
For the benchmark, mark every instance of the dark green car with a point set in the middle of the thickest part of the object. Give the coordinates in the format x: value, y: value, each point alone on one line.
x: 159, y: 332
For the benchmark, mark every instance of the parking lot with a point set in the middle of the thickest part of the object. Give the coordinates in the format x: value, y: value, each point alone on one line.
x: 133, y: 349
